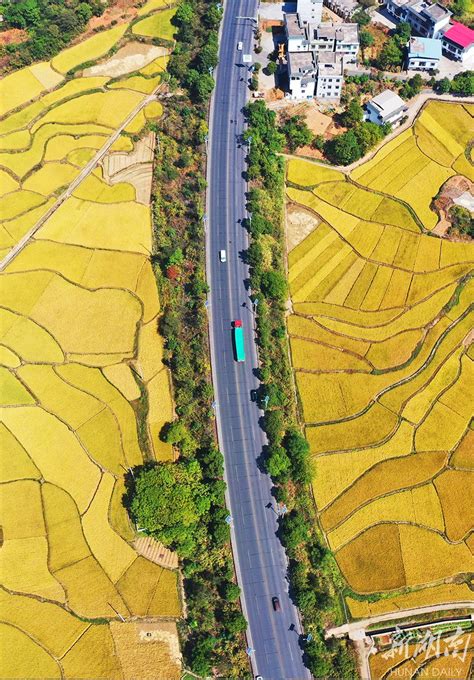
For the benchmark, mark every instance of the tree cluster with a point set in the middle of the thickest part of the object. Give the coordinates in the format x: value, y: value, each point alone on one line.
x: 355, y: 143
x: 296, y: 132
x: 195, y: 56
x: 462, y: 84
x: 50, y: 24
x: 392, y: 54
x: 462, y: 220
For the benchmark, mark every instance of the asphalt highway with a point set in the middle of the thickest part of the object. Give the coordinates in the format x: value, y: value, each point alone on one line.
x: 273, y: 637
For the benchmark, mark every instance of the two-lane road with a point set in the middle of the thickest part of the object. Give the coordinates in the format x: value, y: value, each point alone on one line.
x: 259, y: 556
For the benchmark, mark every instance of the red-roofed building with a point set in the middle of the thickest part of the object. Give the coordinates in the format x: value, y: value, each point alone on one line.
x: 458, y: 42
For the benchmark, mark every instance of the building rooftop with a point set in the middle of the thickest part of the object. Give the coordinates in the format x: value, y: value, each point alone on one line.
x: 387, y: 102
x: 424, y: 48
x: 460, y: 35
x: 301, y: 61
x: 293, y: 27
x: 436, y: 12
x: 339, y: 32
x: 465, y: 200
x: 330, y: 64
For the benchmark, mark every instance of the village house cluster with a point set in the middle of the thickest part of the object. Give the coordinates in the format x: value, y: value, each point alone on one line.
x: 318, y: 52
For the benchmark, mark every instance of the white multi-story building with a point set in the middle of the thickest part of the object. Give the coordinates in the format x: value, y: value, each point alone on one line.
x: 424, y: 54
x: 426, y: 19
x: 327, y: 37
x: 343, y: 39
x: 330, y: 76
x: 302, y: 73
x: 458, y: 43
x: 315, y: 74
x: 386, y: 107
x: 310, y: 11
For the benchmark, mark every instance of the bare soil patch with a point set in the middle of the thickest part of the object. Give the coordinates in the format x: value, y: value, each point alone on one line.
x: 452, y: 189
x: 119, y: 11
x: 380, y: 33
x: 299, y: 224
x: 131, y: 57
x: 13, y: 36
x: 135, y: 167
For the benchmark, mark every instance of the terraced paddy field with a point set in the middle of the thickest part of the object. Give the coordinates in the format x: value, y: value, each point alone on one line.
x: 84, y: 390
x: 380, y: 335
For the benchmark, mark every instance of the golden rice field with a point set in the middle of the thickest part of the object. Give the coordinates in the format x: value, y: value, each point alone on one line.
x: 380, y: 337
x: 84, y: 390
x: 414, y: 165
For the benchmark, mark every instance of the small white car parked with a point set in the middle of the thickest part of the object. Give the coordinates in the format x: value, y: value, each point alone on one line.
x: 240, y: 45
x: 222, y: 256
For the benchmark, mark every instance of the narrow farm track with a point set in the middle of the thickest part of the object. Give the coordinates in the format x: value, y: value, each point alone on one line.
x: 86, y: 171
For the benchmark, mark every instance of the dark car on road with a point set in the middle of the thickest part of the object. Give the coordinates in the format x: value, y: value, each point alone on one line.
x: 276, y: 604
